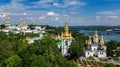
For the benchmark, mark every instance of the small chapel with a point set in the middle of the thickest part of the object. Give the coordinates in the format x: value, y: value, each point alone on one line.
x: 95, y: 47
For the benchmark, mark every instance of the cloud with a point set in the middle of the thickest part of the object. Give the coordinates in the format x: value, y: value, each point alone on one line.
x: 69, y: 4
x: 111, y: 17
x: 42, y: 18
x: 77, y: 3
x: 98, y: 17
x: 24, y: 13
x: 51, y: 14
x: 1, y: 16
x: 73, y: 3
x: 57, y: 18
x: 108, y: 12
x: 56, y: 4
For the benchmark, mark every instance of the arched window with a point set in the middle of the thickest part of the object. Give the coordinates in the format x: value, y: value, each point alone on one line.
x: 94, y: 49
x: 66, y: 42
x: 88, y: 53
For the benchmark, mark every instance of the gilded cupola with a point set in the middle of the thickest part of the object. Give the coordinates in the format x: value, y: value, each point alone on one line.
x: 66, y: 34
x: 101, y: 41
x: 88, y: 42
x: 95, y: 34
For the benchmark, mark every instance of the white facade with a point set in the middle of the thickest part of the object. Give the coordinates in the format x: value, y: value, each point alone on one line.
x: 65, y: 46
x: 88, y: 53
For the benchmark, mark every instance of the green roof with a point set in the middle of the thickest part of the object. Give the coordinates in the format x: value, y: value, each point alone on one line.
x: 59, y: 43
x: 7, y: 25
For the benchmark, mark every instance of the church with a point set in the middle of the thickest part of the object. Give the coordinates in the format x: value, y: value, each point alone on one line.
x: 65, y: 40
x: 95, y: 47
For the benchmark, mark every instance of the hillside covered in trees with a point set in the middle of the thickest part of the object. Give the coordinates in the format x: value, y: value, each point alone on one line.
x: 16, y: 52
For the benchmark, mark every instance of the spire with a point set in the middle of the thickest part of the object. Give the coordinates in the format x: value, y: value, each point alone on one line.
x: 101, y: 41
x: 95, y: 34
x: 7, y: 17
x: 66, y: 28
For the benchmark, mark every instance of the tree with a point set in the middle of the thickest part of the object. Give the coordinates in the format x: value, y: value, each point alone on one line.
x: 119, y: 58
x: 39, y: 61
x: 76, y: 50
x: 13, y: 61
x: 109, y: 65
x: 111, y: 46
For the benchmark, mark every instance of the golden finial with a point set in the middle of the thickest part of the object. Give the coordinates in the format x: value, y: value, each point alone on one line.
x: 101, y: 41
x: 66, y: 28
x: 95, y: 34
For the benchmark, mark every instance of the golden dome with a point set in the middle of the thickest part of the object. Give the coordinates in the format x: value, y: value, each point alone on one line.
x: 23, y: 24
x: 101, y: 41
x: 66, y: 34
x: 88, y: 42
x: 95, y: 34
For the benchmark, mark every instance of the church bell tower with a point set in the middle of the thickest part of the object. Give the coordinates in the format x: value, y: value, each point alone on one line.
x: 66, y: 39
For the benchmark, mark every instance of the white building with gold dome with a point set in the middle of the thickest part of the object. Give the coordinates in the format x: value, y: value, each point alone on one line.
x: 65, y: 40
x: 20, y: 28
x: 96, y: 47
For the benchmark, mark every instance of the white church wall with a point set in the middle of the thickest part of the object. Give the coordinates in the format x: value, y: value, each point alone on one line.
x: 88, y: 54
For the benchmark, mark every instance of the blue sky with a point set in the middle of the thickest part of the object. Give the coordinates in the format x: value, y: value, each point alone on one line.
x: 56, y: 12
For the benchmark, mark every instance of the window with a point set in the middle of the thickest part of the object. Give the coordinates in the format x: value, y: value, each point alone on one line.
x: 66, y: 42
x: 88, y: 53
x: 102, y: 53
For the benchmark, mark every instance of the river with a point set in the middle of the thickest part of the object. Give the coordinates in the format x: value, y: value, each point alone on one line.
x: 107, y: 35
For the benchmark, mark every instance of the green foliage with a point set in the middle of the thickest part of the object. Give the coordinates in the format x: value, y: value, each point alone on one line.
x: 109, y: 65
x: 75, y: 50
x: 113, y: 45
x: 32, y: 27
x: 118, y: 58
x: 2, y: 26
x: 13, y: 61
x: 43, y: 53
x: 45, y: 50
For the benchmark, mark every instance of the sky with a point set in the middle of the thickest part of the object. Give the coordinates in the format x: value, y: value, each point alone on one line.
x: 57, y: 12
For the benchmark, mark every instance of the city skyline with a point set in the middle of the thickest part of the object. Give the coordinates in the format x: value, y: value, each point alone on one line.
x: 56, y: 12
